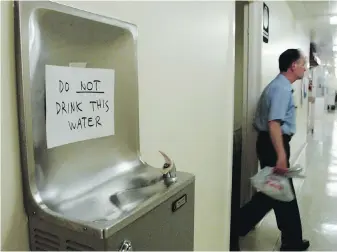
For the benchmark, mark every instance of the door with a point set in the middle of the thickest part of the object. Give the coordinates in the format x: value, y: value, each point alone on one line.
x: 248, y: 45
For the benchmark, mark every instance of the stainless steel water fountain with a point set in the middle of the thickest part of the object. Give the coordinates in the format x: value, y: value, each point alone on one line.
x: 96, y: 194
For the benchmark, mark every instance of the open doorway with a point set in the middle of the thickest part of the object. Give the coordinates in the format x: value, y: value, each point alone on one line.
x: 247, y: 89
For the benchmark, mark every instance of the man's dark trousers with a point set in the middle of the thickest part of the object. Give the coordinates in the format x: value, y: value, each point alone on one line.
x: 287, y: 213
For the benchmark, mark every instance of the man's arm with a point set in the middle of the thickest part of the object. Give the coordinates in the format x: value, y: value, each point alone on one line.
x: 279, y: 101
x: 275, y: 132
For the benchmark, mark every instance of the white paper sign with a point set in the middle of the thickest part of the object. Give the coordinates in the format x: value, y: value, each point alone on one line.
x: 79, y: 104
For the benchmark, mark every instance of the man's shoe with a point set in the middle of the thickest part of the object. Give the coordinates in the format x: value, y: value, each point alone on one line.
x: 296, y: 247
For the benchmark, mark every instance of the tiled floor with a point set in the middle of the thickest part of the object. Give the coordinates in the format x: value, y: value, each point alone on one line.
x: 317, y: 195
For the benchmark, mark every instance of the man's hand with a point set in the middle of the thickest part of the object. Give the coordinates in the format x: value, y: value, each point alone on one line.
x: 281, y: 166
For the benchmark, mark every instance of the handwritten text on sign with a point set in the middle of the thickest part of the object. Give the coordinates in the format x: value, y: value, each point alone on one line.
x: 79, y: 104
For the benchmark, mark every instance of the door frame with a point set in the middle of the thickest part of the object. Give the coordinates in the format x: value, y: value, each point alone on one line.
x: 252, y: 83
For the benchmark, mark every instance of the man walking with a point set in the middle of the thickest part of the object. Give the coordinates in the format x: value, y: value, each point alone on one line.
x: 275, y: 123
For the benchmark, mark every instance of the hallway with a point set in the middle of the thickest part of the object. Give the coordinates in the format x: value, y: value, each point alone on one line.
x: 317, y: 195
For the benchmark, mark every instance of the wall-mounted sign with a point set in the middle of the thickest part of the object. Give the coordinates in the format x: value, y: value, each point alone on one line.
x: 79, y: 104
x: 265, y: 23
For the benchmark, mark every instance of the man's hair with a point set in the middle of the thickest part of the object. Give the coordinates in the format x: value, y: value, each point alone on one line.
x: 287, y: 58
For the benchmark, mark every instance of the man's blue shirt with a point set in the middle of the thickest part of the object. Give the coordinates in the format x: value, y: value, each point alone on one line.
x: 276, y: 103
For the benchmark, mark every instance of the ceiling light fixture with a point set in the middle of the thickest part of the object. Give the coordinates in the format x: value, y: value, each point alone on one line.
x: 333, y: 20
x: 334, y: 48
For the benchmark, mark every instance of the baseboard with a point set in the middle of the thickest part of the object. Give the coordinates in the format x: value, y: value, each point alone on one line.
x: 298, y: 154
x: 296, y: 161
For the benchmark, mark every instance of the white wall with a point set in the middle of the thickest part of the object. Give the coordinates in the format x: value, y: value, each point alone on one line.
x: 186, y: 80
x: 286, y: 32
x: 13, y: 219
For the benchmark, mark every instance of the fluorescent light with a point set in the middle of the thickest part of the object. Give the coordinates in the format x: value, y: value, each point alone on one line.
x: 334, y: 48
x: 333, y: 20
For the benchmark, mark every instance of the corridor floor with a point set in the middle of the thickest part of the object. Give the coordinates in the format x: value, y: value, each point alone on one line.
x: 317, y: 195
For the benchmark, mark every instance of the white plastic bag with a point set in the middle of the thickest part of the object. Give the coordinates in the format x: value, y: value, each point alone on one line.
x: 276, y: 186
